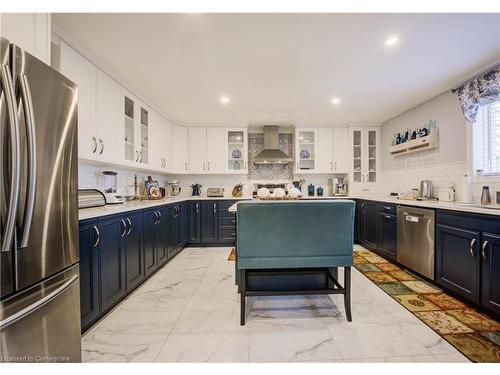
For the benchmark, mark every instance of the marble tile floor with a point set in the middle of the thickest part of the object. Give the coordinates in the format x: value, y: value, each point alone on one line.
x: 189, y: 312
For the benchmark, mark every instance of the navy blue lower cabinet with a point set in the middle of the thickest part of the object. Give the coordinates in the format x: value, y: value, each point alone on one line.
x: 387, y: 235
x: 209, y: 222
x: 134, y: 249
x: 160, y: 237
x: 172, y: 223
x: 89, y: 272
x: 193, y: 221
x: 150, y: 229
x: 490, y: 272
x: 458, y: 260
x: 112, y: 260
x: 369, y: 220
x: 181, y: 225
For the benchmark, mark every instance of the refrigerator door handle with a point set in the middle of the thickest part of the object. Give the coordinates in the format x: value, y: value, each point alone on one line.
x: 10, y: 100
x: 35, y: 306
x: 32, y: 162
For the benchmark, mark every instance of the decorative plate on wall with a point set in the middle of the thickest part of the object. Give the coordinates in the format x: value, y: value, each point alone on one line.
x: 305, y: 154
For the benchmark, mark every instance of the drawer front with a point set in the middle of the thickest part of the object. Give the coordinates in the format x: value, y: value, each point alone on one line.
x: 225, y: 213
x: 387, y: 208
x: 227, y: 234
x: 227, y: 221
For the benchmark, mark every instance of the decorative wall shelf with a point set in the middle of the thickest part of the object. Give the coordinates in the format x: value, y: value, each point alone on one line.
x: 420, y: 144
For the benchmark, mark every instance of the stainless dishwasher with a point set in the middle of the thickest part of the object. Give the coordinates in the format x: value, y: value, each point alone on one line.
x: 416, y: 239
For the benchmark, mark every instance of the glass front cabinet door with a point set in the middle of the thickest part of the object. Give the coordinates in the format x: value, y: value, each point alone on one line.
x: 305, y: 150
x: 236, y: 140
x: 364, y: 155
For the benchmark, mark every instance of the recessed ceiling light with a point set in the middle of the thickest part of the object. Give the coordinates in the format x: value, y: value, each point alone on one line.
x: 335, y: 101
x: 391, y: 41
x: 224, y: 100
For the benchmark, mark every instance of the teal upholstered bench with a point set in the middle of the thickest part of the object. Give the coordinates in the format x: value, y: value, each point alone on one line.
x: 290, y: 235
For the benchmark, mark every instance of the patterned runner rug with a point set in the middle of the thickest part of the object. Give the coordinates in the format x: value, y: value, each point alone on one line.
x: 475, y: 335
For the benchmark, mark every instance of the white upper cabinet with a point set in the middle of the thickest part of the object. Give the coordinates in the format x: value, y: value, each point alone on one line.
x: 305, y: 150
x: 340, y: 150
x: 179, y: 149
x: 324, y: 154
x: 30, y: 31
x: 364, y: 156
x: 160, y: 129
x: 109, y: 109
x: 215, y: 150
x: 197, y: 150
x: 235, y: 158
x: 82, y: 72
x: 322, y: 150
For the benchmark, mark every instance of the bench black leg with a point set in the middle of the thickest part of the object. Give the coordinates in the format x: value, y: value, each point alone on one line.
x: 347, y: 295
x: 242, y: 287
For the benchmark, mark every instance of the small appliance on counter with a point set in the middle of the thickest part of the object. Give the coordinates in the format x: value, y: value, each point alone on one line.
x: 175, y: 189
x: 110, y: 185
x: 447, y: 194
x: 196, y: 190
x: 337, y: 186
x: 215, y: 192
x: 90, y: 198
x: 425, y: 191
x: 486, y: 196
x: 319, y: 191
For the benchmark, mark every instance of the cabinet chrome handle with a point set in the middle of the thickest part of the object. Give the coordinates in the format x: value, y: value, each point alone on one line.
x: 471, y: 247
x: 233, y: 221
x: 95, y: 145
x: 197, y: 207
x: 387, y: 208
x: 129, y: 226
x: 124, y: 228
x: 215, y: 208
x: 159, y: 217
x: 140, y: 153
x: 185, y: 166
x: 388, y: 216
x: 102, y: 146
x: 155, y: 220
x: 233, y: 234
x: 203, y: 165
x: 97, y: 236
x: 208, y: 165
x: 483, y: 250
x: 335, y: 165
x: 136, y: 156
x: 331, y: 166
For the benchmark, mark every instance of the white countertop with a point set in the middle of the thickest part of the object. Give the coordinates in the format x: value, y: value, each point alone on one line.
x: 89, y: 213
x: 111, y: 209
x: 453, y: 206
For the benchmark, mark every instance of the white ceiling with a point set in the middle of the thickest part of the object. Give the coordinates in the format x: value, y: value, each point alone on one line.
x: 286, y: 68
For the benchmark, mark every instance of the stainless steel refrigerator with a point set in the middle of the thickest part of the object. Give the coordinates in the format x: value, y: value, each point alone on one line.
x: 39, y: 296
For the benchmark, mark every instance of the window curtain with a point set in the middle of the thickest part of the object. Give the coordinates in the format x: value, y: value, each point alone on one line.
x: 481, y: 90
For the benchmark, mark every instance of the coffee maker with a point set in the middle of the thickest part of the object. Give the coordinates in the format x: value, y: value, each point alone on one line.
x: 337, y: 186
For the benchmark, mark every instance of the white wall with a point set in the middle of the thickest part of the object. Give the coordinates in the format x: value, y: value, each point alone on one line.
x: 445, y: 165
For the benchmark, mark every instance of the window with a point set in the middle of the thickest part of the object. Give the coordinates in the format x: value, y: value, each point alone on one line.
x: 486, y: 138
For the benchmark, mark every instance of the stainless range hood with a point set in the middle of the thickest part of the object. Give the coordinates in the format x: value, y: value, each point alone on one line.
x: 272, y: 153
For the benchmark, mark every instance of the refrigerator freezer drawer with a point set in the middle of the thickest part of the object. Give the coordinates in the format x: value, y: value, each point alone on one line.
x: 42, y: 324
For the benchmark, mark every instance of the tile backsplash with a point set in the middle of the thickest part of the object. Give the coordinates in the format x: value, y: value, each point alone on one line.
x: 274, y: 171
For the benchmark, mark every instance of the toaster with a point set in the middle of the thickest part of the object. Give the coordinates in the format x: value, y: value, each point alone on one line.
x: 215, y: 192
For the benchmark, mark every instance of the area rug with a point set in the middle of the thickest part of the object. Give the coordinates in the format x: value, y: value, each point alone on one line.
x: 232, y: 255
x: 472, y: 333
